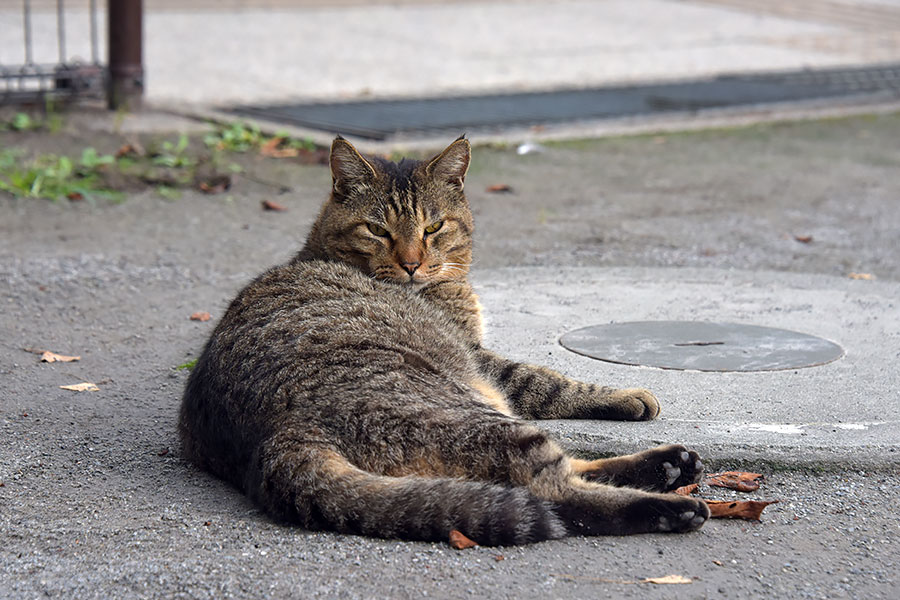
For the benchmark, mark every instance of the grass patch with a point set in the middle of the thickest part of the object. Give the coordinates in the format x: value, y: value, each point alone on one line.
x: 168, y: 166
x: 188, y: 365
x: 56, y: 177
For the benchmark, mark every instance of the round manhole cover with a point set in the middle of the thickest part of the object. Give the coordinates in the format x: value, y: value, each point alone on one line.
x: 701, y: 346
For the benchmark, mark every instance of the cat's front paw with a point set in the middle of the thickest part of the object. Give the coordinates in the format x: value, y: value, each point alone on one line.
x: 636, y: 404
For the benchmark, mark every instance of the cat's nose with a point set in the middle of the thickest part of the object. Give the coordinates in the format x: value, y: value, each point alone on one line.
x: 410, y: 267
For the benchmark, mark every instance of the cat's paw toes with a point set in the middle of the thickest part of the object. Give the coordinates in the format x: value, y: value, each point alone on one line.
x: 679, y: 516
x: 637, y: 404
x: 678, y: 466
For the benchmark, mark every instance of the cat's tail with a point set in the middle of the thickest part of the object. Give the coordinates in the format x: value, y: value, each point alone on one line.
x: 320, y: 489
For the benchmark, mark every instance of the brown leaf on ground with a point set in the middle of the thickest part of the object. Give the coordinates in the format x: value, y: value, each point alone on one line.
x: 75, y: 196
x: 803, y: 239
x: 865, y: 276
x: 735, y: 480
x: 687, y: 490
x: 48, y: 356
x: 272, y: 149
x: 81, y: 387
x: 201, y: 316
x: 130, y: 149
x: 215, y: 185
x: 459, y: 541
x: 272, y: 205
x: 750, y: 510
x: 499, y: 188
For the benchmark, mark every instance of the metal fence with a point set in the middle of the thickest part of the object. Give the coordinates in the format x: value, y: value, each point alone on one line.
x: 55, y: 50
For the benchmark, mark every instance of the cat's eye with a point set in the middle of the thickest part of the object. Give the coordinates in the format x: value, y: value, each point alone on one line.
x: 377, y: 229
x: 434, y: 227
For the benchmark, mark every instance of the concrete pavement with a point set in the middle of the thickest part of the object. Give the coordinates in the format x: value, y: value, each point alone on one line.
x: 95, y: 500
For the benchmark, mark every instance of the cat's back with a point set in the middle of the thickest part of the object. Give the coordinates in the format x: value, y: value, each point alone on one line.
x: 304, y: 327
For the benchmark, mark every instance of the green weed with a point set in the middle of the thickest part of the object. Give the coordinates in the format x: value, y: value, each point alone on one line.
x: 168, y: 192
x: 235, y: 137
x: 22, y: 121
x: 56, y: 177
x: 187, y: 366
x: 242, y: 137
x: 173, y: 155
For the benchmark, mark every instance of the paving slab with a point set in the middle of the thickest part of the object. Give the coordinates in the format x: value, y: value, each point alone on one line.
x: 839, y: 414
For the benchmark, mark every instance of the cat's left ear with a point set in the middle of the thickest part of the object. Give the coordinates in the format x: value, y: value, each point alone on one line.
x: 451, y: 165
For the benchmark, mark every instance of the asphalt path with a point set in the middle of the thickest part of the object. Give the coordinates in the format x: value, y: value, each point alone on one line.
x: 96, y: 501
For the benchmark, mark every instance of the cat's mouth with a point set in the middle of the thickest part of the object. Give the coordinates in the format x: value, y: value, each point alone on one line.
x: 421, y: 274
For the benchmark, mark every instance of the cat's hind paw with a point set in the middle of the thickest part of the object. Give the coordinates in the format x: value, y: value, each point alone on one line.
x: 681, y: 518
x: 660, y: 469
x: 636, y: 404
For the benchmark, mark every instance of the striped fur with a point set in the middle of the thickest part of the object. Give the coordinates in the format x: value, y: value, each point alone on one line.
x: 348, y: 390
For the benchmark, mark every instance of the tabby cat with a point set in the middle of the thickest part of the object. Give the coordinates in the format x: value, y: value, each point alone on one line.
x: 348, y: 389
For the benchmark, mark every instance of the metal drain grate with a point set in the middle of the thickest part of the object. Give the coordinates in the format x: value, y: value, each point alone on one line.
x: 381, y: 119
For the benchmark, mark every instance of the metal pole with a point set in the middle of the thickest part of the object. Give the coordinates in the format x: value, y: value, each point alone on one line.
x: 126, y: 68
x: 26, y: 16
x: 61, y: 30
x: 95, y: 53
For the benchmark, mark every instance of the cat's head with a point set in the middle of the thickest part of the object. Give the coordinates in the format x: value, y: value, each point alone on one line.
x: 406, y: 222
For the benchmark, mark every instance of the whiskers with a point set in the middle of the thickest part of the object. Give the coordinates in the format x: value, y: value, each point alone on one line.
x: 454, y: 268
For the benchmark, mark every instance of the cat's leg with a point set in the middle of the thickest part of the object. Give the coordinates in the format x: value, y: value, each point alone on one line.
x: 517, y: 452
x: 659, y: 469
x: 540, y: 393
x: 313, y: 484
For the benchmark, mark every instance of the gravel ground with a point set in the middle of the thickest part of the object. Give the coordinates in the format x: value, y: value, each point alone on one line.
x: 96, y: 502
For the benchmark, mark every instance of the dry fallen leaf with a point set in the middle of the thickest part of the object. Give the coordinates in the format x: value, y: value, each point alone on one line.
x: 201, y: 316
x: 81, y: 387
x: 750, y: 510
x: 735, y: 480
x: 215, y: 185
x: 271, y: 149
x: 803, y: 239
x: 272, y: 205
x: 459, y: 541
x: 687, y: 490
x: 48, y: 356
x: 668, y: 579
x: 499, y: 188
x: 130, y: 149
x: 866, y: 276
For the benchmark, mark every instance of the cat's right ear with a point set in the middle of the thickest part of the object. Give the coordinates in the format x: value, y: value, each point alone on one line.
x: 348, y: 168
